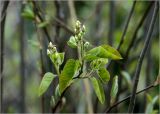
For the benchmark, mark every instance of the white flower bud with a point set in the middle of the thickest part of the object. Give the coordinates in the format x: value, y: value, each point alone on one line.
x: 83, y: 28
x: 50, y: 44
x: 48, y: 52
x: 86, y: 45
x: 78, y: 24
x: 54, y: 49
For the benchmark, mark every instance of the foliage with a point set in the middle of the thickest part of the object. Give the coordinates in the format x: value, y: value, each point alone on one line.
x: 97, y: 57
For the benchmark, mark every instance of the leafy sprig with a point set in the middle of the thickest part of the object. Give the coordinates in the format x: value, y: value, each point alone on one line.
x: 97, y: 73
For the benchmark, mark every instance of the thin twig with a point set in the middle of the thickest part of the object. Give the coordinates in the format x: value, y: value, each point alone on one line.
x: 111, y: 22
x: 140, y: 61
x: 22, y: 63
x: 37, y: 12
x: 120, y: 44
x: 134, y: 37
x: 126, y: 26
x: 128, y: 97
x: 3, y: 13
x: 125, y: 29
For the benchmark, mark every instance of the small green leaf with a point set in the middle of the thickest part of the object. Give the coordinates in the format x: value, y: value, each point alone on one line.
x: 57, y: 58
x: 114, y: 88
x: 149, y: 108
x: 43, y: 24
x: 61, y: 58
x: 52, y: 101
x: 97, y: 63
x: 103, y: 51
x: 46, y: 81
x: 127, y: 78
x: 57, y: 92
x: 149, y: 98
x: 95, y: 53
x: 104, y: 75
x: 72, y: 42
x: 67, y: 74
x: 112, y: 53
x: 28, y: 12
x: 98, y: 88
x: 151, y: 102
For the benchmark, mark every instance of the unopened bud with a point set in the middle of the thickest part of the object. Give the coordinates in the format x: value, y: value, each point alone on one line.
x: 54, y: 49
x: 48, y: 52
x: 86, y: 45
x: 83, y: 29
x: 78, y: 24
x: 50, y: 45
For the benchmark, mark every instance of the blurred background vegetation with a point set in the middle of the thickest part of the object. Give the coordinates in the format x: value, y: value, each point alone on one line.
x: 25, y: 57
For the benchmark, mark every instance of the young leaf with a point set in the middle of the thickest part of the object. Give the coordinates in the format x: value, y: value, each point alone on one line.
x: 46, y: 81
x: 150, y: 104
x: 28, y: 12
x: 67, y: 74
x: 127, y: 78
x: 43, y: 24
x: 149, y: 108
x: 61, y: 58
x: 98, y: 88
x: 114, y: 88
x: 57, y: 92
x: 112, y: 53
x: 103, y: 51
x: 57, y: 58
x: 95, y: 53
x: 104, y: 75
x: 72, y: 42
x: 52, y: 101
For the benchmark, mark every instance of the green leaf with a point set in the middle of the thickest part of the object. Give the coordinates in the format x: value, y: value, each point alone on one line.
x: 112, y: 52
x: 104, y: 75
x: 28, y: 12
x: 114, y: 88
x: 57, y: 58
x: 72, y: 42
x: 155, y: 112
x: 98, y: 63
x: 43, y: 24
x: 149, y: 98
x: 151, y: 102
x: 127, y: 78
x: 46, y: 81
x: 52, y: 101
x: 95, y: 53
x: 57, y: 92
x: 98, y: 88
x: 61, y: 58
x: 149, y: 108
x: 67, y: 74
x: 103, y: 51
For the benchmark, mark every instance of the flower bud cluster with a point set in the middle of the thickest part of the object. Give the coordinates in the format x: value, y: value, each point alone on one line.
x: 56, y: 57
x: 51, y: 49
x: 79, y: 33
x: 86, y: 45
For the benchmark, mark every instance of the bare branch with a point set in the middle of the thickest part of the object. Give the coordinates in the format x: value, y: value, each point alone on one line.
x: 37, y: 12
x: 137, y: 29
x: 111, y: 22
x: 126, y: 26
x: 3, y: 19
x: 128, y: 97
x: 140, y: 61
